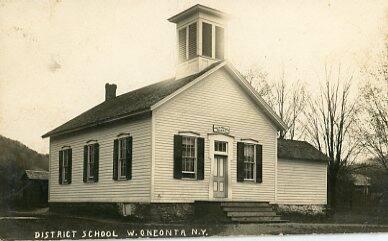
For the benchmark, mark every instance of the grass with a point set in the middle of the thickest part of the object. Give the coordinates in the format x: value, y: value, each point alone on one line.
x: 25, y: 228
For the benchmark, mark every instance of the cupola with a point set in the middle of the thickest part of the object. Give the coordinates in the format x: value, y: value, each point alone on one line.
x: 201, y: 39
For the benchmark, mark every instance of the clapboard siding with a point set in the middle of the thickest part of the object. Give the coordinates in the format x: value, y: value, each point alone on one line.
x: 106, y: 189
x: 218, y: 99
x: 301, y: 182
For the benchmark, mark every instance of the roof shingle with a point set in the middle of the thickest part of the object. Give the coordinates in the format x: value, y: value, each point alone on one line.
x: 299, y: 150
x: 131, y: 103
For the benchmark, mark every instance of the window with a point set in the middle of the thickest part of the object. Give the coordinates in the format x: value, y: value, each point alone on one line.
x: 65, y: 157
x: 220, y: 146
x: 189, y: 156
x: 219, y: 43
x: 207, y: 39
x: 90, y: 158
x: 65, y: 167
x: 122, y: 152
x: 249, y: 162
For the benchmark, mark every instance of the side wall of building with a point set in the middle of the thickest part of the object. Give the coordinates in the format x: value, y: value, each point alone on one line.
x: 301, y: 182
x: 219, y: 100
x: 106, y: 189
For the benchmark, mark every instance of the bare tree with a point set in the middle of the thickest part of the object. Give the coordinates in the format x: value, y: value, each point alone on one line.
x: 288, y: 100
x: 330, y: 119
x: 373, y: 124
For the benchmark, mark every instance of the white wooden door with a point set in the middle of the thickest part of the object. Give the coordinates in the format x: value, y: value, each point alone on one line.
x: 220, y: 172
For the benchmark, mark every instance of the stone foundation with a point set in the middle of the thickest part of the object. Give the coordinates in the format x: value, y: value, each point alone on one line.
x: 139, y: 212
x: 309, y: 210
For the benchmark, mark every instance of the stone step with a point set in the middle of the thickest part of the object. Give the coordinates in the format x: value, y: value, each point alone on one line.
x: 247, y: 209
x: 252, y: 214
x: 276, y: 219
x: 245, y: 204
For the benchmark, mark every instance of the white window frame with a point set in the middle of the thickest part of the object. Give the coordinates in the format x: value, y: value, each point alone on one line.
x: 221, y: 153
x: 254, y: 163
x: 195, y: 157
x: 90, y: 160
x: 120, y: 159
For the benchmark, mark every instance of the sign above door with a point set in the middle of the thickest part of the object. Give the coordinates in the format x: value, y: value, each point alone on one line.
x: 221, y: 129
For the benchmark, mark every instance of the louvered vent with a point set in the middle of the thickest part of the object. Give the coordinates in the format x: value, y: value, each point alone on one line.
x: 193, y: 41
x: 182, y: 45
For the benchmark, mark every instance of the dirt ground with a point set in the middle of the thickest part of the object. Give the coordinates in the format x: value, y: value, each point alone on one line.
x: 43, y: 226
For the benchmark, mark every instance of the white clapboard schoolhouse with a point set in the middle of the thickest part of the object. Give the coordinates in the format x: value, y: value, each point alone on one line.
x: 204, y: 136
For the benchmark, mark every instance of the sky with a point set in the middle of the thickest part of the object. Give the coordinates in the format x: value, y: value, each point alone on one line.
x: 56, y: 56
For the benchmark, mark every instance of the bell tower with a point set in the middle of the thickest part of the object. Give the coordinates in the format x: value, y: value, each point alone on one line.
x: 201, y: 39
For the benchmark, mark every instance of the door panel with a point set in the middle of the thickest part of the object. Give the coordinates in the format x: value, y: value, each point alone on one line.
x: 219, y: 176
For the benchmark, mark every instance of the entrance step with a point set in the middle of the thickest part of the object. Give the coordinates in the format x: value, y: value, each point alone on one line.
x: 245, y: 204
x: 250, y: 212
x: 275, y: 219
x: 248, y: 209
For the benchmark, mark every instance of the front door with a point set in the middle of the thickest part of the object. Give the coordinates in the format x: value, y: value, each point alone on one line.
x: 220, y: 176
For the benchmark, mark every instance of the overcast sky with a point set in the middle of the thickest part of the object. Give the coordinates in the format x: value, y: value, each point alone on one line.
x: 56, y: 56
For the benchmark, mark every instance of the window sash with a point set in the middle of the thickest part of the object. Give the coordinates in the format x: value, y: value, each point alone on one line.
x: 122, y: 154
x: 65, y: 165
x: 189, y: 154
x: 90, y: 159
x: 249, y: 162
x: 221, y: 146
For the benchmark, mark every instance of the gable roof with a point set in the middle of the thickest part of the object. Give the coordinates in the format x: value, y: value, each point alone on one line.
x: 37, y: 175
x: 144, y: 100
x: 299, y: 150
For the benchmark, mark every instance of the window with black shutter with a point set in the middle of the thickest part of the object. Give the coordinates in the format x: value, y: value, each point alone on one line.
x: 249, y: 162
x: 188, y: 157
x: 122, y: 158
x: 91, y: 162
x: 65, y: 163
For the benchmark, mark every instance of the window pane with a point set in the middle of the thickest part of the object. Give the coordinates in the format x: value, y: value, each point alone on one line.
x: 182, y: 45
x: 215, y: 171
x: 220, y: 43
x: 188, y: 154
x: 221, y: 166
x: 193, y: 40
x: 207, y: 39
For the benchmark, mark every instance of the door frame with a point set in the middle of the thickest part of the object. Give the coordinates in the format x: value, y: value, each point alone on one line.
x: 229, y: 159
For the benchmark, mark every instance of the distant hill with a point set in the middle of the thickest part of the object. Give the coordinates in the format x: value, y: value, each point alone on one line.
x: 15, y: 157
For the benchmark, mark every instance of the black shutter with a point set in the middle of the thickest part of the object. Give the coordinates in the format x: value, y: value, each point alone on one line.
x: 69, y: 166
x: 85, y: 178
x: 200, y: 158
x: 259, y: 163
x: 96, y: 161
x: 60, y: 167
x: 177, y: 157
x: 128, y: 157
x: 240, y: 161
x: 115, y: 159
